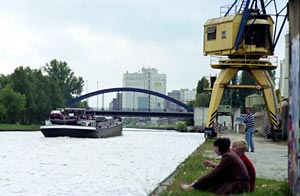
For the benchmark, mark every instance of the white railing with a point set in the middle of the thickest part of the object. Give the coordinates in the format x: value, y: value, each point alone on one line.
x: 217, y: 60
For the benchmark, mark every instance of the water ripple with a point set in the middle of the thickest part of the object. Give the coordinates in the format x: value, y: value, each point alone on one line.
x: 132, y: 164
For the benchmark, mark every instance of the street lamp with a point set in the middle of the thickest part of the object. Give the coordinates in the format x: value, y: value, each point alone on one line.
x: 97, y: 96
x: 86, y: 90
x: 102, y: 101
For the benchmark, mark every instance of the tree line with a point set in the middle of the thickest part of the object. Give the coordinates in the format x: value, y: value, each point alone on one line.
x: 28, y: 95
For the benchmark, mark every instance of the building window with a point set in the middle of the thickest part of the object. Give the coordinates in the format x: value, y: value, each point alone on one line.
x: 223, y: 34
x: 211, y: 33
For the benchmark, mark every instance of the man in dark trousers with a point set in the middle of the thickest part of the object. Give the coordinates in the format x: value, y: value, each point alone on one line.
x: 230, y: 176
x: 249, y: 121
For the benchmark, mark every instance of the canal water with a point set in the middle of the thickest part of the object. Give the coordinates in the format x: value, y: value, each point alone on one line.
x: 132, y: 164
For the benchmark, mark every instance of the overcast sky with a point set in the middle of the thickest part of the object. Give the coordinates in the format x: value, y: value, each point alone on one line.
x: 102, y: 39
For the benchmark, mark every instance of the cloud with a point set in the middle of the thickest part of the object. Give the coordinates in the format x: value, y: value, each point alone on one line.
x: 101, y: 40
x: 112, y: 53
x: 18, y: 43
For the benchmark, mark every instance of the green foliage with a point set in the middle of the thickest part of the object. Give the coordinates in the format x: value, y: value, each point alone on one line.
x: 246, y: 79
x: 130, y: 122
x: 202, y: 100
x: 41, y: 92
x: 18, y: 127
x: 161, y: 127
x: 12, y: 103
x: 3, y: 112
x: 189, y: 121
x: 191, y: 103
x: 203, y: 83
x: 272, y: 75
x: 67, y: 82
x: 180, y: 126
x: 81, y: 104
x: 235, y: 101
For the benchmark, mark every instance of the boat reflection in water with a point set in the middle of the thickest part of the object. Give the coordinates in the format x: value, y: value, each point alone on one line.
x: 75, y: 122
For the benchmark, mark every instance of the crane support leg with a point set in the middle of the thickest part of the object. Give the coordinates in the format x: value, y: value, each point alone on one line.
x: 263, y: 78
x: 222, y: 80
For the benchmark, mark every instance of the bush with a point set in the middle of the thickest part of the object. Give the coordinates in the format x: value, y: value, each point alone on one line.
x: 181, y: 126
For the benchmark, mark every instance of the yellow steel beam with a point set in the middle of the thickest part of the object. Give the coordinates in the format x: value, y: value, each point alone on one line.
x: 233, y: 86
x: 254, y: 87
x: 219, y: 62
x: 263, y: 78
x: 265, y: 84
x: 239, y: 66
x: 207, y: 89
x: 222, y: 80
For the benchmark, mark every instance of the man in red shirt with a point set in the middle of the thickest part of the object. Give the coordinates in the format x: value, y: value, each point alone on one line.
x: 239, y: 147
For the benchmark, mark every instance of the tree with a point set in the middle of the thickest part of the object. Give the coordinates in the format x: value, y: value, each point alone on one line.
x: 4, y: 80
x: 13, y: 104
x: 246, y: 79
x: 202, y: 84
x: 191, y: 103
x: 42, y: 92
x: 67, y: 82
x: 202, y: 97
x: 36, y: 89
x: 42, y: 98
x: 202, y: 100
x: 3, y: 112
x: 272, y: 75
x: 19, y: 80
x: 236, y: 102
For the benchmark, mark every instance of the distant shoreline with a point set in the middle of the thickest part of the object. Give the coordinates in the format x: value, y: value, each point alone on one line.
x: 18, y: 127
x: 15, y: 130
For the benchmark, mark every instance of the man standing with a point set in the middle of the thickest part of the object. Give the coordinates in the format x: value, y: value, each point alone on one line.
x: 249, y: 120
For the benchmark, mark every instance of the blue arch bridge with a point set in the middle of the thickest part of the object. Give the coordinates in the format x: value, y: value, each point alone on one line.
x: 187, y: 112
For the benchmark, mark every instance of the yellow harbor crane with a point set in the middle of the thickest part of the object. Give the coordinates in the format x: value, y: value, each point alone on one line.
x: 244, y: 39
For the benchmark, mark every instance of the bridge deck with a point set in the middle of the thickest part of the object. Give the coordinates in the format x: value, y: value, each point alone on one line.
x: 141, y: 113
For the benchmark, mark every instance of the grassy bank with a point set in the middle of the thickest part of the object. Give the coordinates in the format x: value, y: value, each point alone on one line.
x: 162, y: 127
x: 193, y: 168
x: 18, y: 127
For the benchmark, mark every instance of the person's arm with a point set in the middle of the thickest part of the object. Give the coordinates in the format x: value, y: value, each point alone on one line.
x: 245, y: 119
x: 218, y: 172
x: 210, y: 164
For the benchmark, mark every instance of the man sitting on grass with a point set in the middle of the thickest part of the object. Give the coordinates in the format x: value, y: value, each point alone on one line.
x: 230, y: 176
x: 239, y: 147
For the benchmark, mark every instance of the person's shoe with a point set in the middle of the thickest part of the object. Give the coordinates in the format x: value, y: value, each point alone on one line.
x: 252, y: 150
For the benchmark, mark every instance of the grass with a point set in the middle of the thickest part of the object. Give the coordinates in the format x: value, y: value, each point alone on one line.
x: 193, y: 168
x: 18, y: 127
x: 161, y: 127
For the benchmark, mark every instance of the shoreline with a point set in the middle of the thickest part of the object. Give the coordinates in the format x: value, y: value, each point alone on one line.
x: 17, y: 130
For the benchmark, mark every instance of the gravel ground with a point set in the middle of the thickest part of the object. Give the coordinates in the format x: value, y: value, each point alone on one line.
x: 270, y: 158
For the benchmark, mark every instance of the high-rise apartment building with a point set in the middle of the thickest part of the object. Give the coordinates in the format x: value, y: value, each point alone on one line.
x: 147, y: 78
x: 187, y: 95
x: 170, y: 106
x: 284, y: 71
x: 116, y: 103
x: 183, y: 95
